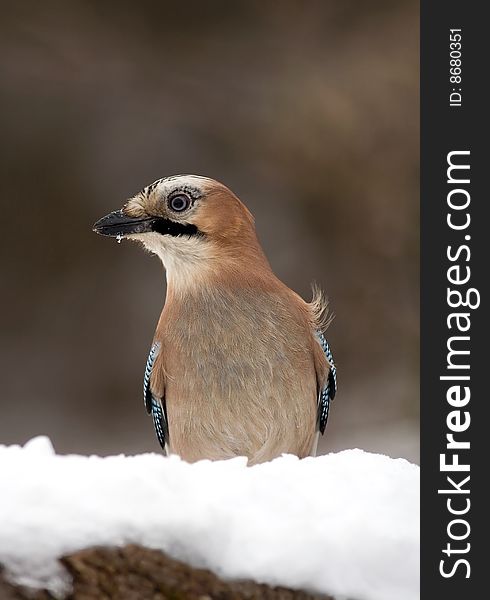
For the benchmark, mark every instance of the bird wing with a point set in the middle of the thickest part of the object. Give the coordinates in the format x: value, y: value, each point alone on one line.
x: 155, y: 406
x: 327, y: 393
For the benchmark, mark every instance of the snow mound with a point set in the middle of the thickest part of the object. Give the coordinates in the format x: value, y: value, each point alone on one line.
x: 346, y: 524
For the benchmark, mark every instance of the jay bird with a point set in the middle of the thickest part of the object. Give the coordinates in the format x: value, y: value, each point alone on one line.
x: 239, y: 365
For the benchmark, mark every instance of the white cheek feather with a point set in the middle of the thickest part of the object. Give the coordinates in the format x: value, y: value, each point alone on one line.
x: 185, y: 258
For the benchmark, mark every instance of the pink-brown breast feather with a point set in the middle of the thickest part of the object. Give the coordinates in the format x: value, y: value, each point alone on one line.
x: 239, y: 368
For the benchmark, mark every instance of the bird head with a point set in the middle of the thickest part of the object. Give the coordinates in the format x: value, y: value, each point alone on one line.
x: 187, y: 221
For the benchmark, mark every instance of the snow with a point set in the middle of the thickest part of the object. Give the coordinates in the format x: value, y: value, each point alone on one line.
x: 346, y: 524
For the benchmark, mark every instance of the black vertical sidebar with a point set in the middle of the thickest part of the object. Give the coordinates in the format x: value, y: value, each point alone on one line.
x: 463, y: 129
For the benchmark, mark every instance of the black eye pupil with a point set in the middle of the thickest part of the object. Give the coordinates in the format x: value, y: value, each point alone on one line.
x: 179, y: 203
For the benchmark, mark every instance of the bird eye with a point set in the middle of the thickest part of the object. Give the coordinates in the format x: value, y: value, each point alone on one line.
x: 179, y: 203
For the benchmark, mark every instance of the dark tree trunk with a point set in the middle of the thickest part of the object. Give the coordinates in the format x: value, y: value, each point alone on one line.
x: 136, y: 573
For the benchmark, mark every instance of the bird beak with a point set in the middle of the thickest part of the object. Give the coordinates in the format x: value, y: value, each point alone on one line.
x: 117, y: 224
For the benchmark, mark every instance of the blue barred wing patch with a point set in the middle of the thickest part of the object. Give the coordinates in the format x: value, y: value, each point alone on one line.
x: 146, y: 380
x: 327, y: 394
x: 154, y: 406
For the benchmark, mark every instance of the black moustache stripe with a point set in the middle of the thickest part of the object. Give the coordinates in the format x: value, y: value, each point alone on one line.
x: 167, y: 227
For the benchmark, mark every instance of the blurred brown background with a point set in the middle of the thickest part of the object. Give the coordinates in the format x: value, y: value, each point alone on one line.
x: 307, y: 110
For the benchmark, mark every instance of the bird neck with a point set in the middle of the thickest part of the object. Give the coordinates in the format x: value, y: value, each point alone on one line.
x: 208, y: 270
